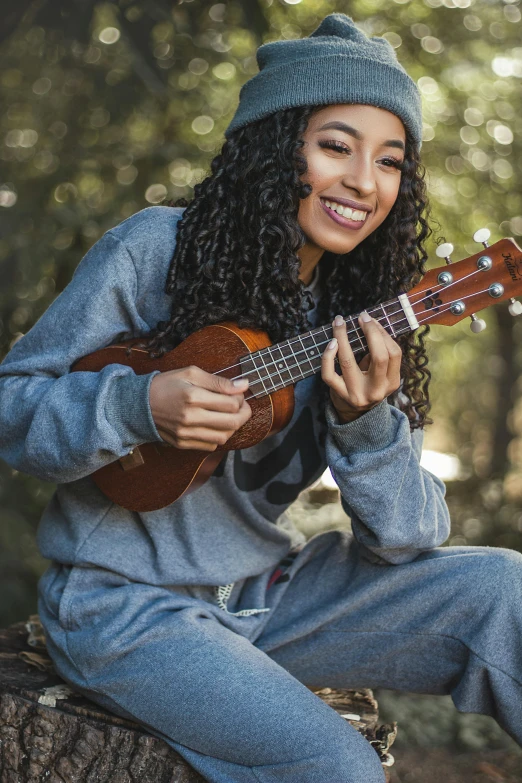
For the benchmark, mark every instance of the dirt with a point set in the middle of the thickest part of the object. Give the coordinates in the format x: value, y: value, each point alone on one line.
x: 443, y: 766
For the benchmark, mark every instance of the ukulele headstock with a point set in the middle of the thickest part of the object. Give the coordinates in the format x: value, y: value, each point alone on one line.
x: 449, y: 294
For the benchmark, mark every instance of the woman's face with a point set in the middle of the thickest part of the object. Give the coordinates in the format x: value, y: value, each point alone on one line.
x: 354, y: 153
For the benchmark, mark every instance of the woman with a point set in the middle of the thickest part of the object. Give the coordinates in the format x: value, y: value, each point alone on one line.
x: 200, y: 620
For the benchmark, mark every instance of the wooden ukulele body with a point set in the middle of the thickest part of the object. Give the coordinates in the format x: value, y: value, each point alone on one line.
x: 156, y: 474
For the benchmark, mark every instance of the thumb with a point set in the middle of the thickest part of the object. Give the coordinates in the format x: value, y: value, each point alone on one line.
x: 231, y: 386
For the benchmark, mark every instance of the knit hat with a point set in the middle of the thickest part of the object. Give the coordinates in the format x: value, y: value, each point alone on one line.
x: 337, y: 63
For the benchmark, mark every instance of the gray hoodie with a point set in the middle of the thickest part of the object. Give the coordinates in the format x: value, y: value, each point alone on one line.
x: 61, y: 427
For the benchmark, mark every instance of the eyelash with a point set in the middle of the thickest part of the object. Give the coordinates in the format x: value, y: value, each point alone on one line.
x: 338, y: 147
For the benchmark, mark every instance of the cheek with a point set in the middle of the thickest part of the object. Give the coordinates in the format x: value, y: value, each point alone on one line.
x: 388, y: 194
x: 305, y: 216
x: 393, y: 190
x: 321, y: 171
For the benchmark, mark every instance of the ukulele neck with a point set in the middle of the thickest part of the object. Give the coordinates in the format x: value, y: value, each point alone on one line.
x: 285, y: 363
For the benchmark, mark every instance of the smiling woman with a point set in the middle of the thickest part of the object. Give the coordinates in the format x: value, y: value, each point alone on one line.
x: 366, y: 170
x: 354, y: 176
x: 314, y: 209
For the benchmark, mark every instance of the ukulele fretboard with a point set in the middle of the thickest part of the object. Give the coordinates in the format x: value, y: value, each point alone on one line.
x: 289, y: 361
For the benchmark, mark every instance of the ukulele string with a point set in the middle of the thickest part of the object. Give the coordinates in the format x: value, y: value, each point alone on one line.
x: 441, y: 286
x: 320, y: 344
x: 276, y: 387
x: 356, y: 350
x: 298, y: 339
x: 431, y: 295
x: 382, y: 321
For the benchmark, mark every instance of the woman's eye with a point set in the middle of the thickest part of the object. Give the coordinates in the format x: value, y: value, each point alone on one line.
x: 337, y: 146
x: 334, y: 145
x: 393, y: 163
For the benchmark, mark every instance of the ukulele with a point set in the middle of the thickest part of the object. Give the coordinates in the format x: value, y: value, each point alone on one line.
x: 154, y: 475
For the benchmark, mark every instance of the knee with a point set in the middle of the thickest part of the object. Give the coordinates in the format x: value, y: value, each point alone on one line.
x: 364, y: 766
x: 340, y: 759
x: 494, y: 581
x: 500, y: 572
x: 334, y: 751
x: 346, y: 758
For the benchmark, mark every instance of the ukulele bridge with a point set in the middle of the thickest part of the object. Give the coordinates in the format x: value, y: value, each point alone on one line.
x: 132, y: 460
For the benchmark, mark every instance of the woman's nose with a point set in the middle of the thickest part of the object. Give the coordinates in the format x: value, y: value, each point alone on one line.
x: 360, y: 176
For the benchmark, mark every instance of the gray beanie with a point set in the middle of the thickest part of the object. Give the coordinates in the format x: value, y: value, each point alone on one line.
x: 337, y: 63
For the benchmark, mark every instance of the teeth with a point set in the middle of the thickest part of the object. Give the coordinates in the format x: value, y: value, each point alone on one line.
x: 347, y: 212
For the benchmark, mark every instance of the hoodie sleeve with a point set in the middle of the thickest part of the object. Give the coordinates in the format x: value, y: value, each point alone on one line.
x: 397, y: 507
x: 60, y: 425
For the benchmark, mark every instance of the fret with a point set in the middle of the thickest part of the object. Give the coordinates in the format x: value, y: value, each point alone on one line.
x: 398, y: 318
x: 274, y: 368
x: 358, y: 336
x: 289, y: 357
x: 262, y: 371
x: 281, y: 365
x: 328, y: 334
x: 249, y: 369
x: 318, y: 349
x: 390, y: 325
x: 289, y: 360
x: 308, y: 350
x: 319, y: 345
x: 324, y: 335
x: 292, y: 345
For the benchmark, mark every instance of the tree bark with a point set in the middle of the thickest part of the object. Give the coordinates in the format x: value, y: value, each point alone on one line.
x: 76, y: 741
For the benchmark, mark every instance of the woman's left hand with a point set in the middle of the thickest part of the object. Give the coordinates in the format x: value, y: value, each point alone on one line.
x: 361, y: 386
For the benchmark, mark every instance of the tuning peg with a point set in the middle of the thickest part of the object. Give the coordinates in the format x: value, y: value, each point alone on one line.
x: 477, y: 324
x: 515, y: 308
x: 445, y: 251
x: 482, y: 236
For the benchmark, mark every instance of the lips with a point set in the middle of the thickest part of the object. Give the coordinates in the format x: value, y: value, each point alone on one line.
x: 353, y: 225
x: 346, y: 202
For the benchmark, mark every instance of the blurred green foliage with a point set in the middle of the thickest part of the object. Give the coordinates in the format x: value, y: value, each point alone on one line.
x: 109, y: 107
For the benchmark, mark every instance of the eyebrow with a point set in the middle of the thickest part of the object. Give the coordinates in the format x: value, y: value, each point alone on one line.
x: 342, y: 126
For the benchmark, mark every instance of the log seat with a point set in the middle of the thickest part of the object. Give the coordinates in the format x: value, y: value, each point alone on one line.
x: 50, y: 733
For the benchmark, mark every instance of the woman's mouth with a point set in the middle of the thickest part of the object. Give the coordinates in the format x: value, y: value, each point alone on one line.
x: 352, y: 218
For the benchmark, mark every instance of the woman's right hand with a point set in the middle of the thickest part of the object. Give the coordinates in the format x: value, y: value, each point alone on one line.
x: 194, y: 409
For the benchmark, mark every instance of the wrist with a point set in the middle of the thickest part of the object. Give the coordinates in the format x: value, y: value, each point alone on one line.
x: 346, y: 413
x: 127, y: 408
x: 346, y: 417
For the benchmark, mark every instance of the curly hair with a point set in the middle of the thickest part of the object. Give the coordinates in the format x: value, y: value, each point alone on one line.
x: 236, y: 255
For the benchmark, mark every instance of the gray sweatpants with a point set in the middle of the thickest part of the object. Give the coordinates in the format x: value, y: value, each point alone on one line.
x: 228, y: 692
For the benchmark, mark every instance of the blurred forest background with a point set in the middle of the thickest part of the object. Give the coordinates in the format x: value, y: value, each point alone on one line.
x: 109, y: 107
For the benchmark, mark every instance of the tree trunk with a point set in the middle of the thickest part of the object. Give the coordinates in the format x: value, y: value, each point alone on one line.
x: 49, y: 733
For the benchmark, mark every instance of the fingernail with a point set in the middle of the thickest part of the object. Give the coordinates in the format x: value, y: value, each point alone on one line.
x: 365, y: 317
x: 332, y: 344
x: 338, y: 320
x: 240, y: 382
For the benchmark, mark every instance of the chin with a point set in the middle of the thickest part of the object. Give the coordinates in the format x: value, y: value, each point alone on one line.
x: 340, y: 248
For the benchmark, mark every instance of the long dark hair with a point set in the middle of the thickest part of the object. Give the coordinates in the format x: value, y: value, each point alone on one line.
x: 238, y: 238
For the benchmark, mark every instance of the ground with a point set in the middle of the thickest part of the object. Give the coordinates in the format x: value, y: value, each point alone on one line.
x: 420, y: 765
